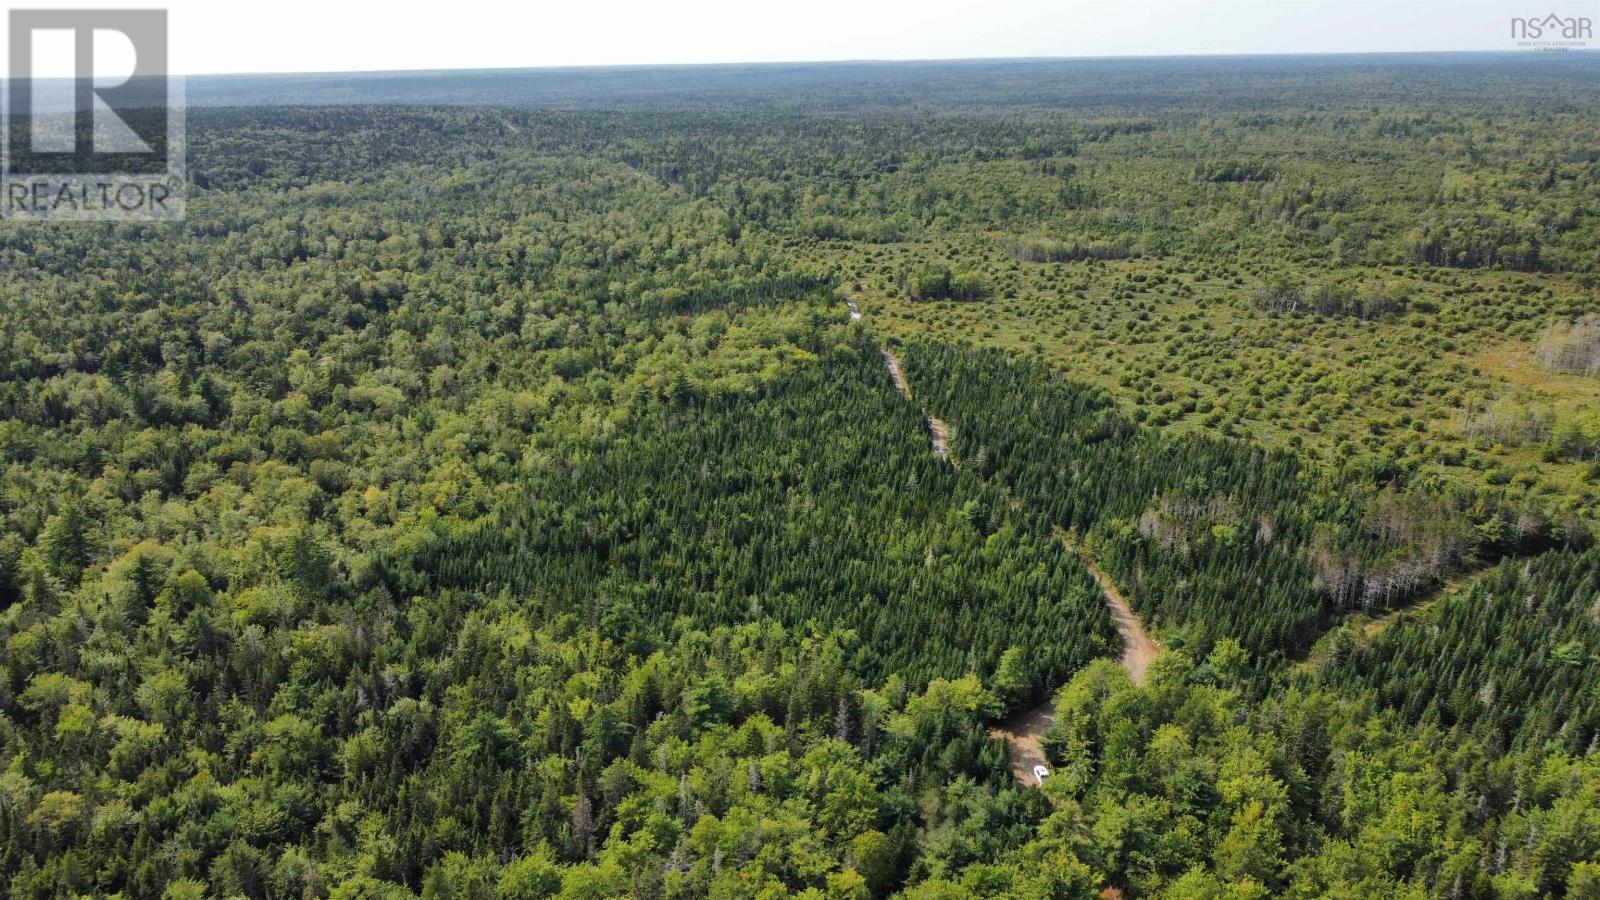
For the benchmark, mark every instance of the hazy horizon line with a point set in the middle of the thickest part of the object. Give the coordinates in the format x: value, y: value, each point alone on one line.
x: 844, y: 61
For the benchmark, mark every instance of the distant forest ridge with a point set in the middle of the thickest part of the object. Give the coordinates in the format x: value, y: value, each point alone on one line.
x: 1104, y: 86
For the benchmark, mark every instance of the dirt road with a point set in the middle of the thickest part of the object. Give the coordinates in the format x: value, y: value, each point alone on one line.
x: 1024, y: 730
x: 1138, y: 650
x: 941, y: 435
x: 893, y: 362
x: 1022, y: 733
x: 938, y: 431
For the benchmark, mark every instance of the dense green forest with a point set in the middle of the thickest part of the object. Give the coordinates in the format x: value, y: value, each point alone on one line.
x: 819, y: 502
x: 488, y: 490
x: 1509, y: 660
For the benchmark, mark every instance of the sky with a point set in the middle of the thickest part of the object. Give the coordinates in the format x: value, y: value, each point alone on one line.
x: 220, y: 36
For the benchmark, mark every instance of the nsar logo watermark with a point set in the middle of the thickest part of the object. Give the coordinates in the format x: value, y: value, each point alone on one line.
x: 92, y: 124
x: 1552, y: 32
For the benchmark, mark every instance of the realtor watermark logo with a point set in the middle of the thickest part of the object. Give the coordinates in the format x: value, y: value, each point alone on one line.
x: 1552, y: 32
x: 91, y: 121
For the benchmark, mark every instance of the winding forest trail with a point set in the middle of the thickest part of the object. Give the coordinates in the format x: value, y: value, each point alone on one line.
x: 938, y: 431
x: 1321, y: 653
x: 1024, y: 731
x: 1459, y: 583
x: 1138, y: 649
